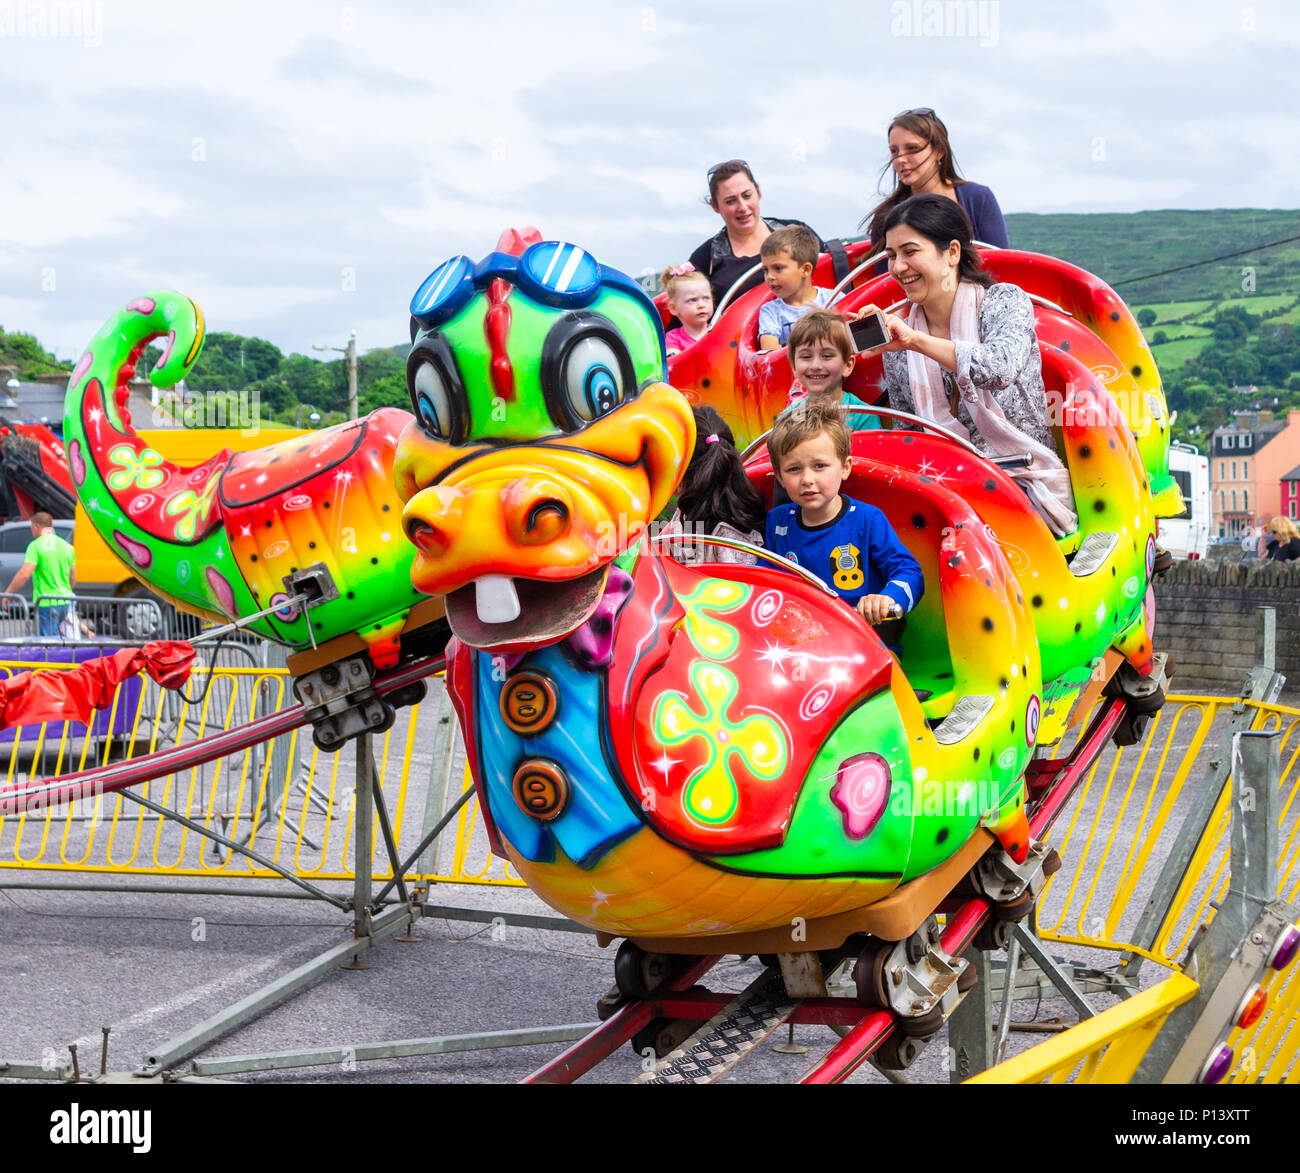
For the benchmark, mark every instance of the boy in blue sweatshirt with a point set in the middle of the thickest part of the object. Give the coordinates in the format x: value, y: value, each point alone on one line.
x: 848, y: 544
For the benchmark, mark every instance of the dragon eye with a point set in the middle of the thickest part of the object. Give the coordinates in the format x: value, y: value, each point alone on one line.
x: 436, y: 388
x: 593, y: 381
x: 433, y: 401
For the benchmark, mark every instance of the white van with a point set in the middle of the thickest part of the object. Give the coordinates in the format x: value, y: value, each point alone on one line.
x: 1189, y: 535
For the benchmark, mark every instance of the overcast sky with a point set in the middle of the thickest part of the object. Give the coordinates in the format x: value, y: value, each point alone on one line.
x: 298, y: 168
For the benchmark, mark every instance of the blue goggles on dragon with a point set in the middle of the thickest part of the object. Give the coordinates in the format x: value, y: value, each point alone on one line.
x: 560, y: 275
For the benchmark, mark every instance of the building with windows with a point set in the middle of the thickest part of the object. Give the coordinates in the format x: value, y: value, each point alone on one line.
x: 1291, y: 494
x: 1248, y: 459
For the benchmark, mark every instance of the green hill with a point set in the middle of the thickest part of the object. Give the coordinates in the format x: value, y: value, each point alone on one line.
x: 31, y: 359
x: 1234, y: 321
x: 1122, y: 246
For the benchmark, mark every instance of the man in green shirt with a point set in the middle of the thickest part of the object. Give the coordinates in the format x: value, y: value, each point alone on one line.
x: 49, y: 564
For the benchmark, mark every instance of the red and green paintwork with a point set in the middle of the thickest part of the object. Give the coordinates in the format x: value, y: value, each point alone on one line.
x: 731, y: 748
x: 219, y: 538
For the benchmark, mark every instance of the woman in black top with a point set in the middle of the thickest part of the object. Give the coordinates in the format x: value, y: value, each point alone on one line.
x: 1283, y: 540
x: 734, y: 194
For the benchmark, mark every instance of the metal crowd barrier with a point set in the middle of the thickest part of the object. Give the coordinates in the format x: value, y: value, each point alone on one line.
x: 285, y: 798
x: 1115, y: 837
x: 1156, y: 816
x: 1104, y: 1049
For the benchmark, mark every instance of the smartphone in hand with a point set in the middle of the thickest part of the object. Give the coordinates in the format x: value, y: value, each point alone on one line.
x: 869, y: 332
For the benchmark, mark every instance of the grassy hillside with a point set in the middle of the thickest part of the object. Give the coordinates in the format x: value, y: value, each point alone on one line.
x: 1120, y: 246
x: 1213, y: 326
x: 28, y: 355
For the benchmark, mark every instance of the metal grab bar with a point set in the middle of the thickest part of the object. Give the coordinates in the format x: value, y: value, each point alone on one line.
x: 892, y: 413
x: 726, y: 297
x: 736, y: 544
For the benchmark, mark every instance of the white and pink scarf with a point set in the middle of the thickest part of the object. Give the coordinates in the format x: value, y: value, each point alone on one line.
x: 1047, y: 481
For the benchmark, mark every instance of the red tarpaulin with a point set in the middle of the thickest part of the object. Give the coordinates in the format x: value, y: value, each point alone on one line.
x: 32, y: 697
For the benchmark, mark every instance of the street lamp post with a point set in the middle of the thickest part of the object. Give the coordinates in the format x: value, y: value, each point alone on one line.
x: 350, y: 351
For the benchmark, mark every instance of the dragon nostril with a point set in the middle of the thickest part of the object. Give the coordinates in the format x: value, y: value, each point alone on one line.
x: 424, y: 537
x: 538, y: 510
x: 548, y: 515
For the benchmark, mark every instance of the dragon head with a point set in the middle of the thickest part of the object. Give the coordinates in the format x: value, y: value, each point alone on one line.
x: 545, y: 440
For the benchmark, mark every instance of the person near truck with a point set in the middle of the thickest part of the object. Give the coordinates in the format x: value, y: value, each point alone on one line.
x: 49, y: 564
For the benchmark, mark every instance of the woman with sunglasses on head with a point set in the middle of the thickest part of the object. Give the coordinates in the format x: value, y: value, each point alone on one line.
x: 965, y: 355
x: 734, y: 194
x: 922, y: 162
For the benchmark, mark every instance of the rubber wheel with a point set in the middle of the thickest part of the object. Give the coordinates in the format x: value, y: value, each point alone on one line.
x: 923, y: 1025
x: 664, y: 1035
x: 610, y: 1001
x: 325, y: 742
x: 627, y: 970
x: 869, y: 976
x: 968, y: 979
x: 1015, y: 910
x: 411, y: 694
x: 1131, y: 727
x: 898, y: 1052
x: 993, y: 934
x: 380, y: 717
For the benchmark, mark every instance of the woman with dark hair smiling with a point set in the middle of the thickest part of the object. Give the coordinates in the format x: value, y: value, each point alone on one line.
x: 734, y: 194
x: 922, y: 163
x: 966, y: 356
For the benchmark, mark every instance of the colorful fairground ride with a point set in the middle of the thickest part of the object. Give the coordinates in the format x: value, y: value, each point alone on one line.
x: 699, y: 758
x: 706, y: 758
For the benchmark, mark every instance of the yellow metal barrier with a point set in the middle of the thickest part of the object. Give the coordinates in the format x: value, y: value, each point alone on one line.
x: 287, y: 799
x: 1116, y: 832
x: 295, y: 805
x: 1103, y: 1049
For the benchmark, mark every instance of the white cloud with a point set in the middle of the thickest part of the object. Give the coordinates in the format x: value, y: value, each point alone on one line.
x: 254, y: 151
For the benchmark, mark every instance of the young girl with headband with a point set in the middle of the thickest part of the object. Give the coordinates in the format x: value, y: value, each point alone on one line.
x: 691, y: 301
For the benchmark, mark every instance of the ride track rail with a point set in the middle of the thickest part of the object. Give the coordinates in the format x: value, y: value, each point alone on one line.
x: 1050, y: 784
x: 118, y: 775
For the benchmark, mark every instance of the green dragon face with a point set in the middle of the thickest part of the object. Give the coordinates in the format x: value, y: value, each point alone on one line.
x: 545, y: 441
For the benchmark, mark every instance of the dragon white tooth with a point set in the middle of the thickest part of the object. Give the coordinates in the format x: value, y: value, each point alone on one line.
x: 496, y: 598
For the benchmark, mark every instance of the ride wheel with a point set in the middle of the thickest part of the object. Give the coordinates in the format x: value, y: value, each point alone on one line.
x: 898, y: 1052
x: 993, y: 934
x: 869, y: 975
x: 922, y: 1026
x: 638, y: 973
x: 665, y: 1035
x: 1017, y: 909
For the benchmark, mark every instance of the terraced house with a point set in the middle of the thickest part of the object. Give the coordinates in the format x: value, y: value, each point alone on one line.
x: 1249, y: 458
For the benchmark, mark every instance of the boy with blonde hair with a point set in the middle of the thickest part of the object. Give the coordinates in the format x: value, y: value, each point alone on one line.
x: 848, y: 544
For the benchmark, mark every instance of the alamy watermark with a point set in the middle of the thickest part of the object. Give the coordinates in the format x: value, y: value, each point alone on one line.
x: 210, y: 409
x: 76, y: 800
x: 81, y: 20
x: 976, y: 19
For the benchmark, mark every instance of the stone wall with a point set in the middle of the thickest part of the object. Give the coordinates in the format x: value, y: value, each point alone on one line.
x: 1207, y: 618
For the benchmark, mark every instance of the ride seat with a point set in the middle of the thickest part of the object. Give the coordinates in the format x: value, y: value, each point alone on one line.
x: 925, y: 654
